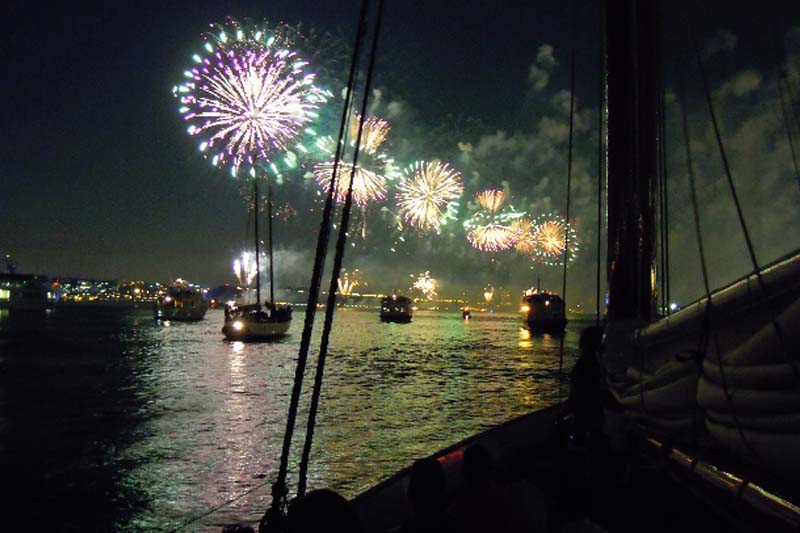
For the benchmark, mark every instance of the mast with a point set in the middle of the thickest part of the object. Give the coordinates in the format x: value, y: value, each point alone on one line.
x: 258, y: 261
x: 632, y: 48
x: 269, y: 230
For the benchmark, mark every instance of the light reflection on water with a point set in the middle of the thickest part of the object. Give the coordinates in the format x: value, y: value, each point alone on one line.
x: 170, y: 420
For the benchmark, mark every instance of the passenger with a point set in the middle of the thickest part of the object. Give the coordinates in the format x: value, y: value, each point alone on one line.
x: 588, y: 389
x: 322, y: 510
x: 486, y: 504
x: 426, y: 494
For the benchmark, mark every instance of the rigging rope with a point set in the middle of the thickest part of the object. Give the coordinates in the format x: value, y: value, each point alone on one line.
x: 756, y: 270
x: 569, y: 184
x: 663, y: 201
x: 273, y: 516
x: 337, y: 265
x: 788, y: 126
x: 707, y: 329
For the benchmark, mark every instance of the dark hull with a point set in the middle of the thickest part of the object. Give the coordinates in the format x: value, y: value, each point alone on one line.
x: 549, y: 325
x: 398, y: 318
x: 656, y: 489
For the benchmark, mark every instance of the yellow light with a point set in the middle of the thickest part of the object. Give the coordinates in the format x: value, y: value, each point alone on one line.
x: 524, y: 308
x: 238, y: 326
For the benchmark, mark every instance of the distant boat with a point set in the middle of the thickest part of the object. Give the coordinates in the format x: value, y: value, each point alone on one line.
x: 466, y: 313
x: 182, y: 303
x: 396, y: 308
x: 24, y: 292
x: 543, y: 312
x: 257, y: 321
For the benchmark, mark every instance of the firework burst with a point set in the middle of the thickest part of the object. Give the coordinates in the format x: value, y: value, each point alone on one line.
x: 491, y: 199
x: 523, y: 229
x: 425, y: 284
x: 373, y: 171
x: 349, y: 281
x: 373, y: 134
x: 244, y: 267
x: 249, y: 98
x: 427, y: 193
x: 367, y: 185
x: 548, y: 236
x: 492, y: 229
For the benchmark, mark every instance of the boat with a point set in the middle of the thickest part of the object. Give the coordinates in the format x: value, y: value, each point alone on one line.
x: 25, y: 293
x: 543, y: 312
x: 257, y: 321
x: 706, y: 410
x: 466, y: 312
x: 396, y: 309
x: 699, y: 439
x: 182, y: 303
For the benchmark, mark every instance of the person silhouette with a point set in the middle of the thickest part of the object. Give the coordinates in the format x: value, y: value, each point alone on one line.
x: 426, y: 494
x: 322, y: 510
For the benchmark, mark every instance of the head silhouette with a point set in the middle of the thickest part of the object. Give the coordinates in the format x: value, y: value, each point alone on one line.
x: 426, y: 484
x: 477, y: 465
x: 322, y: 510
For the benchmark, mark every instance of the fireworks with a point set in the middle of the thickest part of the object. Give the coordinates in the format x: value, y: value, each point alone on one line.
x: 249, y: 98
x: 523, y: 230
x: 488, y: 294
x: 373, y: 134
x: 491, y: 199
x: 492, y: 230
x: 349, y: 281
x: 372, y: 171
x: 425, y: 284
x: 548, y: 236
x: 427, y: 193
x: 244, y: 267
x: 367, y: 185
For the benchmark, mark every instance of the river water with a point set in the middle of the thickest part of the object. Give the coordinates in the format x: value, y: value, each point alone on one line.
x: 110, y: 421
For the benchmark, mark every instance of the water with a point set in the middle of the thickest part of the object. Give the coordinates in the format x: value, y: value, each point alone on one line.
x: 109, y: 421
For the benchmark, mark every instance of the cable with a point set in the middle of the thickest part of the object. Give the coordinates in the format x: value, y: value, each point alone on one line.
x: 756, y: 270
x: 788, y: 130
x: 273, y: 516
x: 337, y: 266
x: 569, y: 184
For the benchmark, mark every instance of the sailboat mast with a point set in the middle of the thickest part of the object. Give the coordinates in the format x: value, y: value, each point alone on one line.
x: 258, y: 254
x: 271, y: 262
x: 632, y: 47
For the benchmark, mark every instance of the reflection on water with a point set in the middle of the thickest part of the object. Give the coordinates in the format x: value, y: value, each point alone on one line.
x: 115, y: 422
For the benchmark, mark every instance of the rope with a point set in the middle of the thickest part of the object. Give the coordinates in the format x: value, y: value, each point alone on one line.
x: 337, y: 266
x: 788, y: 130
x: 663, y: 179
x: 197, y: 518
x: 706, y: 285
x: 258, y: 253
x: 272, y: 519
x: 569, y: 185
x: 756, y: 270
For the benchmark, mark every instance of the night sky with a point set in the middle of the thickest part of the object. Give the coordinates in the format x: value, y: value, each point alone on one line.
x: 100, y: 179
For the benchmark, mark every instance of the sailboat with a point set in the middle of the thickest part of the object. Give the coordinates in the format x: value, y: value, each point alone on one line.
x: 709, y: 395
x: 254, y: 322
x: 708, y: 424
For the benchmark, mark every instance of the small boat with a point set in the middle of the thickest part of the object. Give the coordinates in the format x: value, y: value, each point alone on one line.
x: 182, y: 303
x: 466, y: 312
x: 396, y: 308
x: 24, y: 292
x: 543, y: 312
x: 255, y: 322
